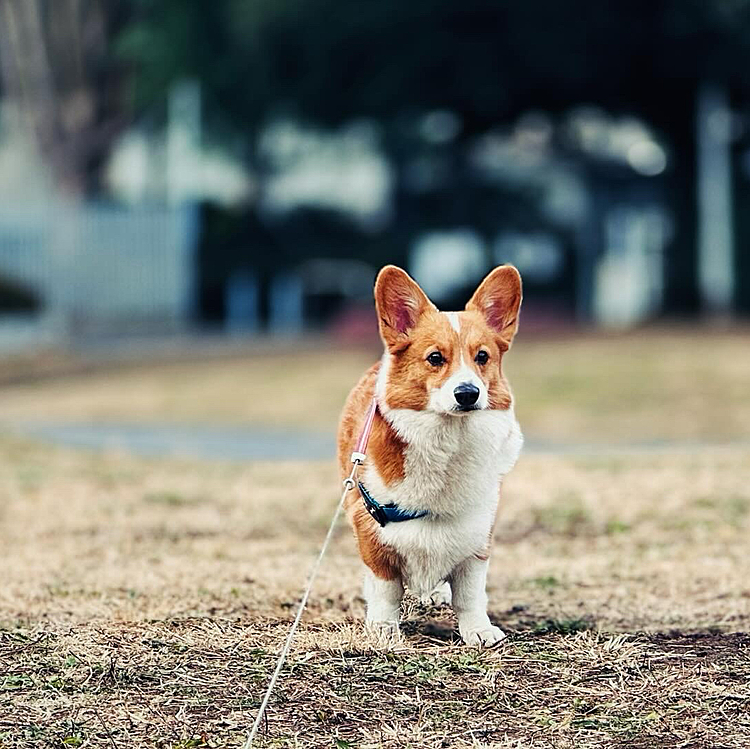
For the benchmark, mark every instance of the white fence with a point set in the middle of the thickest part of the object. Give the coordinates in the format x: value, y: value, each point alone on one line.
x: 99, y: 267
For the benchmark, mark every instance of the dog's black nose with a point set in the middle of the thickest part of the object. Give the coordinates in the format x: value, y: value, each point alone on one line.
x: 466, y: 394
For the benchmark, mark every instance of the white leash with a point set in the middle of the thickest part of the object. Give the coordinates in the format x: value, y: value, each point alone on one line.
x: 348, y: 486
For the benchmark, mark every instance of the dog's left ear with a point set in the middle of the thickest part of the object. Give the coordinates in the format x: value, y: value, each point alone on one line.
x: 498, y: 298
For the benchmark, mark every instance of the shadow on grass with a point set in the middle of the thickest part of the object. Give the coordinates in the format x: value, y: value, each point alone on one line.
x: 437, y: 624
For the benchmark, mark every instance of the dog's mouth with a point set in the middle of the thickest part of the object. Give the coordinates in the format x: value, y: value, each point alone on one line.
x: 465, y: 409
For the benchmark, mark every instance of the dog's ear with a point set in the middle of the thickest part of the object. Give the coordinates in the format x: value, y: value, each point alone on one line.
x: 400, y: 303
x: 498, y: 298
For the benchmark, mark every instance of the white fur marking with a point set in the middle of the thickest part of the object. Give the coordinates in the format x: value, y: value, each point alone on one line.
x: 453, y: 468
x: 468, y: 584
x: 454, y: 320
x: 442, y: 399
x: 383, y: 598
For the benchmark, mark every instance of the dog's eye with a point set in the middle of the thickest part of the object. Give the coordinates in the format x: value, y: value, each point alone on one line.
x: 436, y: 359
x: 482, y: 357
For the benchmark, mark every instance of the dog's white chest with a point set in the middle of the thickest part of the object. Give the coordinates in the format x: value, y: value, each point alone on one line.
x: 453, y: 468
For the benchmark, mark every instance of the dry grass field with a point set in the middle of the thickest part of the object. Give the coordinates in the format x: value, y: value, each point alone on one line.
x: 648, y: 386
x: 143, y: 601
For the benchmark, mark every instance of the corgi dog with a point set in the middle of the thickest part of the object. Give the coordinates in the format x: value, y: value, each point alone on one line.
x: 443, y: 435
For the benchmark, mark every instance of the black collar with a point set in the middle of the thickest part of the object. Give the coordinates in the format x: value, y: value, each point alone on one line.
x: 390, y: 513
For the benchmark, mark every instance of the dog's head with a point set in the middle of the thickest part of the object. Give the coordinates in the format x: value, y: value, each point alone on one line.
x: 447, y: 362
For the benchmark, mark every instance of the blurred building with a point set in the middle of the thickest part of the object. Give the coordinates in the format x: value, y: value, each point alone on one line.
x: 577, y: 206
x: 159, y: 171
x: 190, y: 238
x: 88, y: 269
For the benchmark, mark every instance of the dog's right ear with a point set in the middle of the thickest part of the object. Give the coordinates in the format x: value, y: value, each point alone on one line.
x: 400, y: 303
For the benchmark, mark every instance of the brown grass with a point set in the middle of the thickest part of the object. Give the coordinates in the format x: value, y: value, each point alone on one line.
x: 143, y: 603
x: 650, y: 385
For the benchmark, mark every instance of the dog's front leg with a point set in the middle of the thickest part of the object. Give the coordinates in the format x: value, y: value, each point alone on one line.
x: 383, y: 598
x: 468, y: 584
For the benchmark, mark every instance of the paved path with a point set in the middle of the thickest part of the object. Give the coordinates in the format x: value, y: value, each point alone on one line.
x: 211, y: 443
x: 257, y: 443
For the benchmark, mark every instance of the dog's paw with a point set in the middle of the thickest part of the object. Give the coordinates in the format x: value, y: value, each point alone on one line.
x: 441, y: 596
x: 383, y: 633
x: 486, y: 636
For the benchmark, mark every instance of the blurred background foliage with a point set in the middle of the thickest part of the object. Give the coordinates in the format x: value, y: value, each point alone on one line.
x: 603, y: 145
x: 326, y: 61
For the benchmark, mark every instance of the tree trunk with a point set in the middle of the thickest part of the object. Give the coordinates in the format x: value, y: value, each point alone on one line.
x: 54, y: 67
x: 681, y: 289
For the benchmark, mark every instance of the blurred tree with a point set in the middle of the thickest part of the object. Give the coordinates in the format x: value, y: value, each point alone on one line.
x: 56, y: 65
x: 327, y: 61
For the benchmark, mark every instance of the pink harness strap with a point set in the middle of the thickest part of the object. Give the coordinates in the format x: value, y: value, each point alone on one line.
x: 360, y: 451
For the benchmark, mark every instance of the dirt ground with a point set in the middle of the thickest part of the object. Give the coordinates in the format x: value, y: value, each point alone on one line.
x: 143, y: 602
